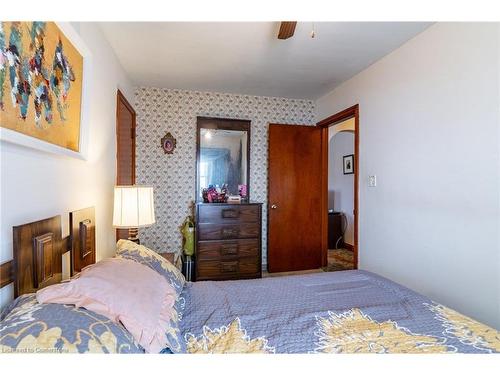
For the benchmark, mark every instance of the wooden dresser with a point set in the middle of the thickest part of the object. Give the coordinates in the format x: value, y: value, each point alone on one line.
x: 228, y: 241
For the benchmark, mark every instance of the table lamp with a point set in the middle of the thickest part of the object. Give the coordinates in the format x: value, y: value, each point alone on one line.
x: 133, y: 209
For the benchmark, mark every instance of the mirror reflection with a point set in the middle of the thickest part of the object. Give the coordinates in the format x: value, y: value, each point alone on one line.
x: 223, y: 159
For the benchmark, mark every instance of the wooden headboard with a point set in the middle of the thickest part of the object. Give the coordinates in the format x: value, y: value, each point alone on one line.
x: 37, y: 255
x: 39, y: 247
x: 82, y: 238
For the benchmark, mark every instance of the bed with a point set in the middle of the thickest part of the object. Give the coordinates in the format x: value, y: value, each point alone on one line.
x: 331, y: 312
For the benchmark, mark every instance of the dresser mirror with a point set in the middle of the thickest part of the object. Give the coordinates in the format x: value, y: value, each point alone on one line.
x: 222, y: 155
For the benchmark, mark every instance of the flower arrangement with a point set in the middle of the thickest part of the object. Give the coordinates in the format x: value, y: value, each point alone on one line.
x: 215, y: 194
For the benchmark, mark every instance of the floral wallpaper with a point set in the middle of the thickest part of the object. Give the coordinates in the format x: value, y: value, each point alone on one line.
x: 174, y: 176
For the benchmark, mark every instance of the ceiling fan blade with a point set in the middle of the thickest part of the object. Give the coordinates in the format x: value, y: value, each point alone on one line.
x: 287, y: 29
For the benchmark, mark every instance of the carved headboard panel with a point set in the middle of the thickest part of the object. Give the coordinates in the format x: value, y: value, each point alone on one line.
x: 38, y: 250
x: 82, y: 238
x: 37, y: 255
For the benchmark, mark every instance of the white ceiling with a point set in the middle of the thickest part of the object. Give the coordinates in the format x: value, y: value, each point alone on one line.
x: 247, y: 58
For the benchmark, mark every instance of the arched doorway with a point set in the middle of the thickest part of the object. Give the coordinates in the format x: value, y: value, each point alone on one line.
x: 341, y: 122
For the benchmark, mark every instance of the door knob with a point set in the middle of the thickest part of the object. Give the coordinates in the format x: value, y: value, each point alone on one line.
x: 273, y: 206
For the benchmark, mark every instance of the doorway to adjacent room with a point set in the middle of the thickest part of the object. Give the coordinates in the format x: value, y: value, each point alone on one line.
x: 341, y: 135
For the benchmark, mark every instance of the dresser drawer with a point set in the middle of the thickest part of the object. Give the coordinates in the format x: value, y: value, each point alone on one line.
x: 228, y: 241
x: 228, y: 213
x: 228, y: 269
x: 228, y: 231
x: 227, y: 249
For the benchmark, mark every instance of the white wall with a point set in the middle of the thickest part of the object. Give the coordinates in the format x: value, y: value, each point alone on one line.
x: 37, y: 185
x: 429, y: 130
x: 340, y: 185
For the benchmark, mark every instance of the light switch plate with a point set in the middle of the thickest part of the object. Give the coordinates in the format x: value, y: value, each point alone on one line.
x: 372, y: 181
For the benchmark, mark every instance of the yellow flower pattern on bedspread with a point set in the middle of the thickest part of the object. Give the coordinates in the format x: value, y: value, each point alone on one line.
x: 54, y: 328
x: 227, y: 339
x: 355, y: 332
x: 52, y: 340
x: 45, y: 341
x: 467, y: 330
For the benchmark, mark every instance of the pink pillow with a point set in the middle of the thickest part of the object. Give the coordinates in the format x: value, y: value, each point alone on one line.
x: 125, y: 291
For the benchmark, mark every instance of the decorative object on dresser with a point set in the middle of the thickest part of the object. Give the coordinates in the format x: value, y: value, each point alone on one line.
x: 168, y: 143
x: 133, y: 209
x: 228, y: 241
x: 242, y: 191
x: 234, y: 199
x: 215, y: 194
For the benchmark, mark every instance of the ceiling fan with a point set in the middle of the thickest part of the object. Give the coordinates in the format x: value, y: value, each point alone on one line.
x: 287, y: 29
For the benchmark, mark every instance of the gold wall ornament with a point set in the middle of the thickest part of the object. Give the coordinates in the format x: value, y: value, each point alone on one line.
x: 168, y: 143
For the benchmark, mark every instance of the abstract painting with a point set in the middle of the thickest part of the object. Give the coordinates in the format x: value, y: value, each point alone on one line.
x: 41, y: 75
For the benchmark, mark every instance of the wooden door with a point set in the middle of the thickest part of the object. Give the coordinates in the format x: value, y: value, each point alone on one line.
x: 295, y: 198
x: 125, y: 147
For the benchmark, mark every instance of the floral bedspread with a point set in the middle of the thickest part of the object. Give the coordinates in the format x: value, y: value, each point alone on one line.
x: 332, y: 312
x: 30, y: 327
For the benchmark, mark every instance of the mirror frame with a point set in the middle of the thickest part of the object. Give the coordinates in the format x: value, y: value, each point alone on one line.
x: 222, y: 124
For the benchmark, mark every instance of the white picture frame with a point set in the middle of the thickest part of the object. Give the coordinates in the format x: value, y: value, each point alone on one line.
x: 11, y: 136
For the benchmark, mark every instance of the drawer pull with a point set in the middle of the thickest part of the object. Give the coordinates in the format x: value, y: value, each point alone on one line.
x: 230, y: 232
x: 230, y: 213
x: 229, y: 249
x: 229, y: 267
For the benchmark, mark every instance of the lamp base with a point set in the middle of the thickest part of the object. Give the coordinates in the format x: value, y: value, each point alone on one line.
x: 132, y: 235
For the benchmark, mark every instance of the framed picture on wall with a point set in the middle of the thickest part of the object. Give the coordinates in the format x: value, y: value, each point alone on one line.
x: 44, y: 88
x: 349, y: 164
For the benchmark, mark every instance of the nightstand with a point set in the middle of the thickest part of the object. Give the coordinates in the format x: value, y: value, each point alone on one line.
x: 168, y: 256
x: 187, y: 267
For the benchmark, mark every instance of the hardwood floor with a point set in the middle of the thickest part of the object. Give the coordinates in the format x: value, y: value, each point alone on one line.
x: 276, y: 274
x: 338, y: 260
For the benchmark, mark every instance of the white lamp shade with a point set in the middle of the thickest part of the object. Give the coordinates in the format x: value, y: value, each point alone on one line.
x: 133, y: 207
